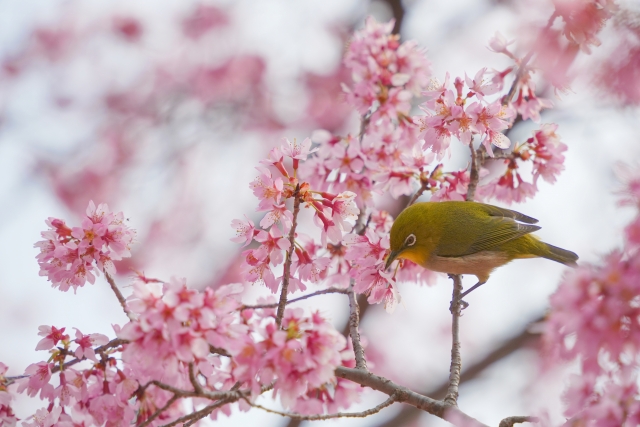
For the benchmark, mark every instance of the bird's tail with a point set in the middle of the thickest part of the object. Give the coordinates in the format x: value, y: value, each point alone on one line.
x: 560, y: 255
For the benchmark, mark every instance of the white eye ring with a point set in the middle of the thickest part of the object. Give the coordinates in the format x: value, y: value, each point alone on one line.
x: 410, y: 240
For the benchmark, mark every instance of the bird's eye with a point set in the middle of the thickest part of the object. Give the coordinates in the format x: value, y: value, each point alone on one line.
x: 410, y: 240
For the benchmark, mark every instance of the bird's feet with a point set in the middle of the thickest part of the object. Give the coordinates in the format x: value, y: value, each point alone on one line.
x: 458, y: 306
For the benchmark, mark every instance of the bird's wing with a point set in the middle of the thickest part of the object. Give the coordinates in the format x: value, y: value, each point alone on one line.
x: 481, y: 232
x: 507, y: 213
x: 499, y: 231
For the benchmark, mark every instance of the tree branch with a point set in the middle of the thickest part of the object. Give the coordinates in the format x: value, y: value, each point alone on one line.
x: 194, y: 381
x: 287, y: 263
x: 121, y: 299
x: 301, y: 417
x: 509, y: 422
x: 331, y: 290
x: 111, y: 344
x: 424, y: 184
x: 474, y: 174
x: 403, y: 394
x: 456, y: 361
x: 354, y: 323
x: 198, y: 415
x: 159, y: 411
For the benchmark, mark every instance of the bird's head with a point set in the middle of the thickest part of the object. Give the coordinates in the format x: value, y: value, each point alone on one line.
x: 409, y: 237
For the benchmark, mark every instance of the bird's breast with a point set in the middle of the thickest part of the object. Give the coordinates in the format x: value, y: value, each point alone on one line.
x: 480, y: 264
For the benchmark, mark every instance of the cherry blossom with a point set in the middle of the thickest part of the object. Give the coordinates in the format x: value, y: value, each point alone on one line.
x: 67, y: 256
x: 7, y: 417
x: 245, y: 231
x: 52, y: 336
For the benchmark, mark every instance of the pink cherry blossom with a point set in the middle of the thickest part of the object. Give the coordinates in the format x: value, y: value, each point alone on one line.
x: 548, y: 159
x: 297, y: 151
x: 311, y: 269
x: 7, y: 417
x: 273, y: 245
x: 70, y: 257
x: 498, y: 43
x: 265, y: 188
x: 44, y: 418
x: 245, y: 231
x: 279, y: 214
x: 258, y: 270
x: 453, y: 187
x: 38, y: 380
x: 86, y: 344
x: 52, y: 336
x: 480, y: 86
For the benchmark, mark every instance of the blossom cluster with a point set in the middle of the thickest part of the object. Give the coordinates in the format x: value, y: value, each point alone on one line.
x: 7, y: 417
x: 595, y: 319
x: 465, y: 114
x: 179, y: 337
x: 385, y: 73
x: 334, y: 215
x: 544, y: 151
x: 70, y: 257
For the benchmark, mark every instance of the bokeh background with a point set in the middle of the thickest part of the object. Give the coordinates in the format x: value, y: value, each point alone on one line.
x: 163, y: 108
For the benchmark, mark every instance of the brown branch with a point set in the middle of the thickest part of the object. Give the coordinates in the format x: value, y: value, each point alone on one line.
x: 354, y: 323
x: 456, y: 361
x: 301, y: 417
x: 474, y: 174
x: 218, y: 350
x: 116, y: 291
x: 424, y: 184
x: 398, y: 14
x: 287, y: 264
x: 509, y: 422
x: 409, y: 414
x: 523, y: 65
x: 158, y: 412
x: 331, y: 290
x: 111, y: 344
x: 194, y: 381
x: 198, y: 415
x: 403, y: 394
x: 364, y: 123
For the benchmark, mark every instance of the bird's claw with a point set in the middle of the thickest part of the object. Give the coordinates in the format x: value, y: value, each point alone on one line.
x: 461, y: 304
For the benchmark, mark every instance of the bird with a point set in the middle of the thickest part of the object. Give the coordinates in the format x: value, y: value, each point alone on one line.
x: 464, y: 237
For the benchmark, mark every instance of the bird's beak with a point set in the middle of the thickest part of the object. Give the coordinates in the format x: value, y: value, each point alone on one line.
x: 392, y: 257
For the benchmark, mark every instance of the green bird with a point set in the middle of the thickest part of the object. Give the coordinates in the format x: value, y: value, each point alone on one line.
x: 468, y: 238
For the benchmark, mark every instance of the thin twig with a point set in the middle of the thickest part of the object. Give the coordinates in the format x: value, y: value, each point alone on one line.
x: 523, y: 65
x: 218, y: 350
x: 303, y: 297
x: 116, y: 342
x: 363, y: 414
x: 474, y: 174
x: 198, y: 415
x: 194, y: 381
x: 287, y: 263
x: 456, y: 360
x: 213, y: 395
x: 424, y: 184
x: 403, y: 394
x: 509, y: 422
x: 116, y: 291
x: 364, y: 123
x: 354, y: 322
x: 159, y: 411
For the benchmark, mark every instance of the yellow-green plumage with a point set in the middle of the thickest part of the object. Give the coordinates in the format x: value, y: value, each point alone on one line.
x: 468, y: 238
